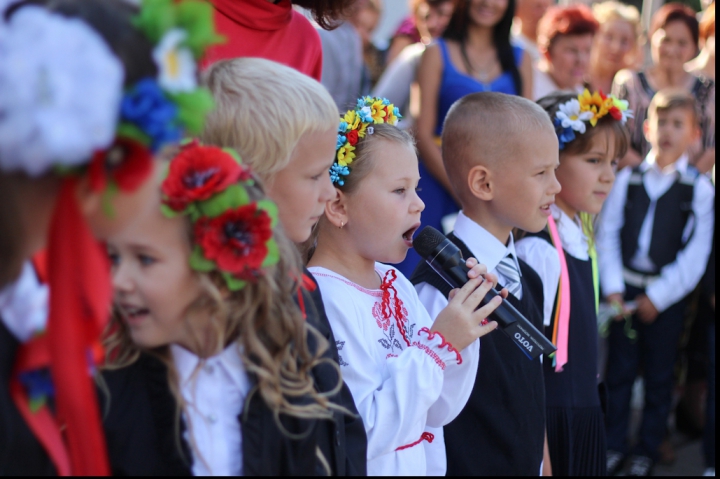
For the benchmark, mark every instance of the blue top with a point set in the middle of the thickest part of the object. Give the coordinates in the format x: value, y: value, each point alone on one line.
x: 455, y: 84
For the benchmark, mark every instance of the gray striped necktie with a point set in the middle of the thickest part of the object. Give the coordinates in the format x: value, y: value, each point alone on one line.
x: 508, y: 269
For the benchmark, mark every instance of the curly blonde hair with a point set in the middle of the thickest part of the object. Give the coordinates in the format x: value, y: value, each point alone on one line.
x: 265, y: 322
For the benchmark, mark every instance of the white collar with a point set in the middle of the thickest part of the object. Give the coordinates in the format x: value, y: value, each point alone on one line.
x: 485, y: 247
x: 24, y: 305
x: 571, y: 233
x: 229, y: 360
x: 650, y: 162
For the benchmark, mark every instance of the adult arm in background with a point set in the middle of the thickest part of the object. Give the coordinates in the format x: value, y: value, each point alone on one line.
x: 623, y: 88
x: 526, y: 73
x: 397, y: 45
x: 429, y: 77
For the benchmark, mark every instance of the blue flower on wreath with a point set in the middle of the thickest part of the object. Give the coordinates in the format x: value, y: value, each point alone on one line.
x: 342, y: 128
x: 365, y: 114
x: 337, y: 173
x: 385, y: 101
x: 146, y: 106
x: 39, y: 386
x: 565, y: 134
x: 341, y: 139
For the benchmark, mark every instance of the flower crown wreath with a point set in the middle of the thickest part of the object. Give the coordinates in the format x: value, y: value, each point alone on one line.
x: 62, y: 103
x: 232, y: 233
x: 354, y: 126
x: 574, y: 115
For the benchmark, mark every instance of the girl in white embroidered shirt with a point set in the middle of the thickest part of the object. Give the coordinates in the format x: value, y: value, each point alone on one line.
x: 205, y: 285
x: 406, y: 372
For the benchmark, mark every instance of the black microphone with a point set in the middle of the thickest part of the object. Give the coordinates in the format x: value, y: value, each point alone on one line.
x: 446, y: 260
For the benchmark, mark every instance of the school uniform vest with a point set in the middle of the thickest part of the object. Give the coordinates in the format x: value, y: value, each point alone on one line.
x: 20, y: 452
x: 672, y: 213
x: 145, y: 432
x: 501, y: 430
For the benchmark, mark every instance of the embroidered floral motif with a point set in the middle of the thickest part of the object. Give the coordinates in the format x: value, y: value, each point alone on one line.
x: 426, y: 436
x: 390, y: 306
x: 340, y: 345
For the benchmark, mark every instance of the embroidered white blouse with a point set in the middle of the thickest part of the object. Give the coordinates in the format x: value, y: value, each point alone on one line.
x: 403, y: 378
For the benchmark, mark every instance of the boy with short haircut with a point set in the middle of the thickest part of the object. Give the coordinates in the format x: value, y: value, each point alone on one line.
x: 500, y: 152
x: 654, y: 241
x: 284, y: 125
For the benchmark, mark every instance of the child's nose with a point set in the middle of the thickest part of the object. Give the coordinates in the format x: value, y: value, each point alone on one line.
x: 121, y: 280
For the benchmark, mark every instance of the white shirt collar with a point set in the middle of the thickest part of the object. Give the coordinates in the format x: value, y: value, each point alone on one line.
x: 650, y: 162
x: 24, y: 305
x: 571, y: 234
x: 486, y: 248
x: 228, y: 360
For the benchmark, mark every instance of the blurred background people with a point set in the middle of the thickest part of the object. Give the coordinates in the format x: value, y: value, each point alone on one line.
x: 616, y: 44
x: 430, y: 20
x: 365, y: 20
x: 474, y: 55
x: 274, y: 30
x: 674, y: 37
x: 427, y: 21
x: 565, y: 40
x: 525, y: 26
x: 704, y: 63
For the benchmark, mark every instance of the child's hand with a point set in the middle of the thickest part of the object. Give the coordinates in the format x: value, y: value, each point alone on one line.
x: 478, y: 269
x: 646, y: 310
x: 459, y: 323
x: 617, y: 298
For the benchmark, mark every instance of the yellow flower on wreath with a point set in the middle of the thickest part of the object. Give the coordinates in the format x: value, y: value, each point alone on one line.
x: 346, y: 154
x: 377, y: 111
x: 352, y: 120
x: 598, y: 104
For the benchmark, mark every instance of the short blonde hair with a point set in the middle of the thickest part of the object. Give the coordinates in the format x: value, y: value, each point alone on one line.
x: 613, y: 10
x: 670, y: 99
x: 263, y: 109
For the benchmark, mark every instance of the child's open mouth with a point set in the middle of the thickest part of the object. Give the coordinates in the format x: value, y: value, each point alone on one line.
x: 407, y: 236
x: 133, y: 313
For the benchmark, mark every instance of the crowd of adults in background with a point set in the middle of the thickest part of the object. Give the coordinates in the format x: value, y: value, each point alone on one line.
x: 445, y: 49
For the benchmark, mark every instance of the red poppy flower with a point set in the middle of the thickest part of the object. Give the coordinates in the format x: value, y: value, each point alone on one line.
x: 236, y: 240
x: 615, y: 113
x: 352, y: 137
x: 199, y: 172
x: 127, y: 162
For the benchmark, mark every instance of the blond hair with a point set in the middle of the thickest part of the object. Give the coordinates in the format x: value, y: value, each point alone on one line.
x: 670, y: 99
x: 277, y: 346
x: 263, y: 110
x: 613, y: 10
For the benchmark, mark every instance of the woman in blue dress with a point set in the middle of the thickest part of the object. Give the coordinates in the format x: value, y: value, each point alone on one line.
x: 474, y: 55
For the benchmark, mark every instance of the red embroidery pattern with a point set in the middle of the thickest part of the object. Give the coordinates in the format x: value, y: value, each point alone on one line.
x: 431, y: 353
x: 426, y: 436
x: 389, y: 294
x: 443, y: 343
x: 382, y: 322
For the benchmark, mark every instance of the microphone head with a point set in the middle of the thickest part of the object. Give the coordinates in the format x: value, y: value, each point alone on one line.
x: 427, y: 240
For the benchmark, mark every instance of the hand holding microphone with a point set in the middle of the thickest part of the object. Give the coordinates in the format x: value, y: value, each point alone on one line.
x: 463, y: 320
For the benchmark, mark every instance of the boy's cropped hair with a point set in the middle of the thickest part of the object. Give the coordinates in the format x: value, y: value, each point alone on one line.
x: 262, y: 110
x: 482, y: 129
x: 672, y: 98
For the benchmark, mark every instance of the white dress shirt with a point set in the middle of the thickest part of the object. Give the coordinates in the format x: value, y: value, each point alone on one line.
x: 24, y: 305
x: 214, y: 391
x: 682, y: 275
x: 402, y: 391
x: 543, y: 257
x: 486, y: 248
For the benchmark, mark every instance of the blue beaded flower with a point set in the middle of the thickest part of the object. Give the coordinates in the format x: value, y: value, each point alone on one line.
x: 337, y: 173
x: 146, y: 106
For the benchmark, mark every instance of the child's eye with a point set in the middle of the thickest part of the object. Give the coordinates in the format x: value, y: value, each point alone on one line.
x: 400, y: 190
x: 145, y: 260
x: 594, y: 161
x: 318, y: 176
x: 114, y: 258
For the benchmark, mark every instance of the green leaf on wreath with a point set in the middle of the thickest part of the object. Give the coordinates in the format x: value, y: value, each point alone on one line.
x: 233, y: 283
x: 232, y: 197
x: 196, y: 18
x: 234, y: 154
x: 168, y: 212
x: 37, y: 403
x: 192, y: 108
x: 271, y: 209
x: 199, y: 262
x: 273, y: 254
x: 156, y: 17
x: 128, y: 130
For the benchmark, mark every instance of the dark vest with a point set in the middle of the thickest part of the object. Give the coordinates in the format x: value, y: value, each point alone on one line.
x: 501, y: 430
x: 672, y: 213
x: 144, y: 432
x: 20, y: 452
x: 577, y: 385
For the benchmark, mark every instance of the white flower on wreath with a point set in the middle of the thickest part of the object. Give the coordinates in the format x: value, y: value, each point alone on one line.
x: 176, y: 63
x: 60, y: 92
x: 571, y: 117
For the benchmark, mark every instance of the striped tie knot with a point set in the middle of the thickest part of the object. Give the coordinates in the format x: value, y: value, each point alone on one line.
x: 509, y: 270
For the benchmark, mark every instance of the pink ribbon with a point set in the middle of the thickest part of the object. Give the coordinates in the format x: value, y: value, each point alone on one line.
x: 563, y: 316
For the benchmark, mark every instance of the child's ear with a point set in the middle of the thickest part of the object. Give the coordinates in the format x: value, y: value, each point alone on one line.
x: 646, y: 129
x: 90, y: 201
x: 480, y: 183
x: 336, y: 209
